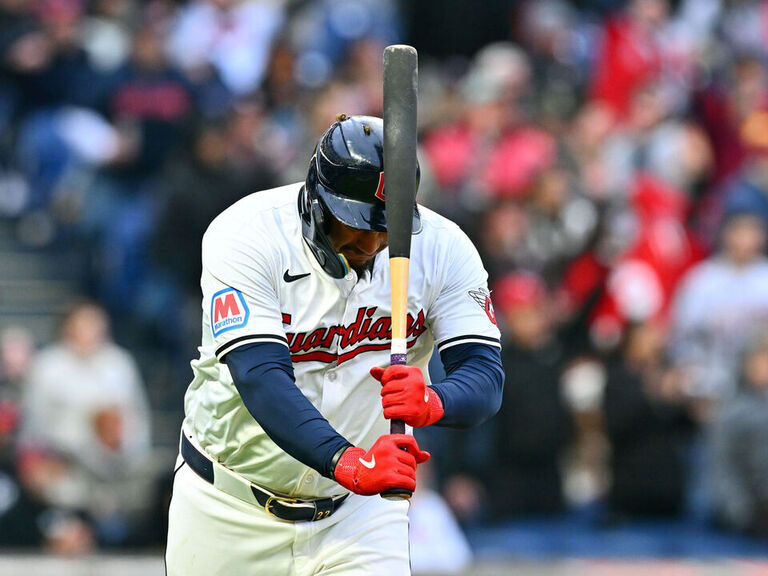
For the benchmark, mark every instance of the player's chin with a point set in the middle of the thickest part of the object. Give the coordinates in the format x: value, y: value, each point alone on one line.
x: 358, y: 263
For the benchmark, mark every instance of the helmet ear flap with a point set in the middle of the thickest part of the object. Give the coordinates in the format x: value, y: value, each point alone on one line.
x: 315, y: 224
x: 313, y: 207
x: 305, y: 204
x: 318, y: 215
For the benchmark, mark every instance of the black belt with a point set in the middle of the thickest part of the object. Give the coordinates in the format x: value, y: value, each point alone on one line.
x: 285, y: 508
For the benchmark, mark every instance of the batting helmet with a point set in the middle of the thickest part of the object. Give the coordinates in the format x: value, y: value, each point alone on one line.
x: 346, y: 181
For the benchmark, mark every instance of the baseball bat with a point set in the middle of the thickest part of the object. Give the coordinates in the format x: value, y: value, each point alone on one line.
x: 400, y: 90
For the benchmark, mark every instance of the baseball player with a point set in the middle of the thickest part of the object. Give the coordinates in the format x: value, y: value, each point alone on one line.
x: 285, y: 445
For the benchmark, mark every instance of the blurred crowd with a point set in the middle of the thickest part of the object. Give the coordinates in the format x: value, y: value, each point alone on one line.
x: 608, y: 158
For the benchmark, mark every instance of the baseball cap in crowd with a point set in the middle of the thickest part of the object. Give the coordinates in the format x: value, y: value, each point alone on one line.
x: 516, y: 290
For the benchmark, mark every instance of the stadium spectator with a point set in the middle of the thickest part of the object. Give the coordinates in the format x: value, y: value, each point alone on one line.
x: 559, y: 44
x: 739, y: 451
x: 654, y: 142
x: 232, y: 36
x: 748, y: 190
x: 501, y: 233
x: 561, y: 223
x: 85, y: 404
x: 492, y: 151
x: 738, y: 89
x: 31, y: 516
x: 45, y: 59
x: 644, y: 277
x: 48, y: 76
x: 616, y: 77
x: 718, y: 303
x: 533, y: 427
x: 150, y: 105
x: 724, y: 104
x: 647, y: 425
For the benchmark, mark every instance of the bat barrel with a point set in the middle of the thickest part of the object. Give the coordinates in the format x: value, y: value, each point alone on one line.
x: 400, y: 95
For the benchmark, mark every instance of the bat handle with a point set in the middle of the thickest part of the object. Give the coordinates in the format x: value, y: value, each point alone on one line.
x: 397, y: 427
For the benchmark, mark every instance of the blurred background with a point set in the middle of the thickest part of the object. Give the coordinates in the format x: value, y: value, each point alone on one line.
x: 609, y: 159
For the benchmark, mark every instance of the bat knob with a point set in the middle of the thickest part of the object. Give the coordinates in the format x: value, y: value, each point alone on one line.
x: 397, y: 494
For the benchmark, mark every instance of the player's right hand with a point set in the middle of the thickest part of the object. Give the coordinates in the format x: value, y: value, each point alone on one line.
x: 390, y: 463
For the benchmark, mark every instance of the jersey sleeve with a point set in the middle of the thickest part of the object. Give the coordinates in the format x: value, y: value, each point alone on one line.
x: 462, y: 312
x: 240, y: 300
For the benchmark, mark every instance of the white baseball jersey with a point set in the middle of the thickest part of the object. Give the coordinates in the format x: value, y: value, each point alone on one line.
x: 261, y: 283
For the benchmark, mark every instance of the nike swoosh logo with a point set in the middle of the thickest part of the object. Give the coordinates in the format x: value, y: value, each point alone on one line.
x: 426, y: 395
x: 288, y: 278
x: 367, y: 464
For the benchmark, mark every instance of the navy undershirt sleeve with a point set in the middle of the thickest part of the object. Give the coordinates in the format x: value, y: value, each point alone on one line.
x: 263, y: 375
x: 472, y: 389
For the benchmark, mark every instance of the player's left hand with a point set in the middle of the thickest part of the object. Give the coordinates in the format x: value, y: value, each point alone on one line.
x: 405, y: 396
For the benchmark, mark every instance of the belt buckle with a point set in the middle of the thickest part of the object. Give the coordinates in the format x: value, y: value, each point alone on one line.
x: 277, y: 499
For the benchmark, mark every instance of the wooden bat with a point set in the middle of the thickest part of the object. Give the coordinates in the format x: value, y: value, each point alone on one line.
x: 400, y: 90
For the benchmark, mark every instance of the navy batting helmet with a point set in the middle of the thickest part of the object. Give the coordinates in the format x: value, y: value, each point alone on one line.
x: 346, y: 181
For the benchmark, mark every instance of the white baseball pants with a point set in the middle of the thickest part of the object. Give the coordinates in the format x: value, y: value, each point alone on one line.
x: 211, y: 533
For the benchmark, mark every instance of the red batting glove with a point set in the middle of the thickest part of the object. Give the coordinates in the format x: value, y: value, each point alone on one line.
x: 405, y: 396
x: 390, y: 463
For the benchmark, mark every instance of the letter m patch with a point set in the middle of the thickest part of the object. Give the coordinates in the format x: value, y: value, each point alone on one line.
x: 228, y: 311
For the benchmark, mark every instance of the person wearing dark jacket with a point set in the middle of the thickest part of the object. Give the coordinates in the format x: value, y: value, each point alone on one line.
x: 646, y: 423
x: 533, y: 426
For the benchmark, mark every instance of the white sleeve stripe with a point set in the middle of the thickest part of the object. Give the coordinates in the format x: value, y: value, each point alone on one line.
x: 468, y: 340
x: 237, y: 342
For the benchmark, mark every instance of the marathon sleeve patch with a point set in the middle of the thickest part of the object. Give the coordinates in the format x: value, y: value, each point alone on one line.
x: 228, y: 311
x: 239, y: 283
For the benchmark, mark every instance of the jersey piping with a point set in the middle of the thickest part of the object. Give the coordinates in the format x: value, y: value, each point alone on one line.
x: 250, y: 339
x: 467, y: 339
